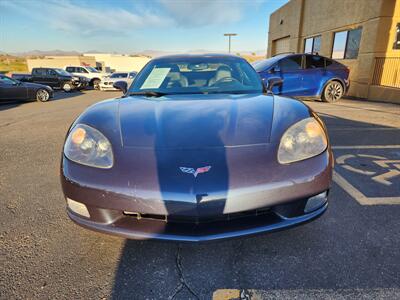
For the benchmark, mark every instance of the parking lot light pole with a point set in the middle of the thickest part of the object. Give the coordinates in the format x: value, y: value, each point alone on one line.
x: 230, y: 35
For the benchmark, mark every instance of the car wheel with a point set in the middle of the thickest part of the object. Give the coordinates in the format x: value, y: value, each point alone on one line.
x: 42, y: 95
x: 67, y: 87
x: 96, y: 84
x: 333, y: 92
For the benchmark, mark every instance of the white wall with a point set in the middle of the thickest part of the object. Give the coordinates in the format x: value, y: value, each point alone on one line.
x: 120, y: 63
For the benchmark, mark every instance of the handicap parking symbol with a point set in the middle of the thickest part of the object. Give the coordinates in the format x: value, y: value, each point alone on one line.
x: 370, y: 176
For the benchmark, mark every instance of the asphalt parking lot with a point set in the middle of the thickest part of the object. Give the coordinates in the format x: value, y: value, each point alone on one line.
x: 350, y: 252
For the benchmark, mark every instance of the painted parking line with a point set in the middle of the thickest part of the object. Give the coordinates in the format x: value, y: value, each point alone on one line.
x: 253, y: 294
x: 371, y: 175
x: 363, y: 129
x: 367, y: 147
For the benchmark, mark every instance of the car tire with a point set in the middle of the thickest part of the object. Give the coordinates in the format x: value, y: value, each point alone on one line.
x: 96, y: 84
x: 67, y: 87
x: 333, y: 91
x: 42, y: 95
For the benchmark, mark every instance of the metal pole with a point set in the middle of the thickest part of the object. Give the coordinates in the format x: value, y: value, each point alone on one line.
x: 229, y: 35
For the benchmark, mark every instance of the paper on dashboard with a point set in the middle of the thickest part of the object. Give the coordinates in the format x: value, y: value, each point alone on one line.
x: 155, y: 78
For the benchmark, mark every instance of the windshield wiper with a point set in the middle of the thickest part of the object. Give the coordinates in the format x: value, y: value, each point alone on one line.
x: 147, y: 94
x: 227, y: 92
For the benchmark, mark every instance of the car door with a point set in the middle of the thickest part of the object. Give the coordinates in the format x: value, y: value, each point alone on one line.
x: 11, y: 89
x: 52, y: 78
x: 72, y: 70
x: 83, y: 72
x: 290, y: 70
x: 39, y: 76
x: 313, y: 74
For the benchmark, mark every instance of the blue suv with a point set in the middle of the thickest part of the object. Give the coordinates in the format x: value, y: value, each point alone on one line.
x: 306, y: 75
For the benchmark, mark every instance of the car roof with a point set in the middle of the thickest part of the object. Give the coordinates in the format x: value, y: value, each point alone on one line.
x: 277, y: 57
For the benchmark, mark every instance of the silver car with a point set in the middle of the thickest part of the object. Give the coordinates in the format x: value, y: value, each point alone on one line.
x: 107, y: 83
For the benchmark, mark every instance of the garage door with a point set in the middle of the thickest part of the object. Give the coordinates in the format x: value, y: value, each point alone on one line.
x: 281, y: 46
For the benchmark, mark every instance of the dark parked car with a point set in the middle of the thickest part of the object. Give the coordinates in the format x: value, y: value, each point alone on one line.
x: 196, y: 150
x: 306, y: 75
x: 11, y: 89
x: 55, y: 78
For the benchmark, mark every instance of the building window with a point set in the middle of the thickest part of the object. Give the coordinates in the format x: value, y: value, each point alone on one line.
x: 312, y: 45
x: 397, y: 40
x: 346, y: 44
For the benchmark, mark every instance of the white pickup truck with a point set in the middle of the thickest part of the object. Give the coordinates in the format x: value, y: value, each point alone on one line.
x: 90, y: 73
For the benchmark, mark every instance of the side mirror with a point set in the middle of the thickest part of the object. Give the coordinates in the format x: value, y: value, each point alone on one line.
x: 274, y: 81
x: 121, y: 85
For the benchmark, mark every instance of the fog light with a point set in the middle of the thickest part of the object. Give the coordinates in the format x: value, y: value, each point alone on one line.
x: 78, y: 208
x: 315, y: 202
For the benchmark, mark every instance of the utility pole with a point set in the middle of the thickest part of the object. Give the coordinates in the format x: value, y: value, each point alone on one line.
x: 230, y: 35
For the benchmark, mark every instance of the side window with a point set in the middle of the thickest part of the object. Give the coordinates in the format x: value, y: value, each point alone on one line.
x: 83, y: 70
x: 328, y: 62
x: 51, y: 72
x: 292, y: 63
x: 70, y: 69
x: 39, y: 72
x: 132, y: 74
x: 6, y: 80
x: 314, y: 62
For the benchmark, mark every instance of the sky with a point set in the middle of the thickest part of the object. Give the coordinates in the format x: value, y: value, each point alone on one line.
x: 129, y: 26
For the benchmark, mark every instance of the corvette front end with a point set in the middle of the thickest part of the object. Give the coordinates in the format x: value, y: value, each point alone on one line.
x: 196, y: 166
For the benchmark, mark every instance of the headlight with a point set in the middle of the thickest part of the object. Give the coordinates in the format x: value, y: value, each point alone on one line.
x: 302, y: 140
x: 88, y: 146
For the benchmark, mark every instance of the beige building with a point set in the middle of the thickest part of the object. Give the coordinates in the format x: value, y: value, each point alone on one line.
x: 119, y: 62
x: 61, y: 62
x: 362, y: 34
x: 103, y: 61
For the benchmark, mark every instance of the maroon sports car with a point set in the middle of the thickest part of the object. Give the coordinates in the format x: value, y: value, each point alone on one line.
x: 196, y: 149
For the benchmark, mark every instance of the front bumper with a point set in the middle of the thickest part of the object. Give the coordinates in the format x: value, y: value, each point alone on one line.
x: 107, y: 86
x: 250, y: 196
x: 80, y: 84
x: 142, y: 227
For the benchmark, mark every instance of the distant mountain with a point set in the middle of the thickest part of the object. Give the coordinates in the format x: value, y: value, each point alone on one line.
x: 47, y: 53
x: 256, y: 52
x: 149, y: 52
x: 155, y: 53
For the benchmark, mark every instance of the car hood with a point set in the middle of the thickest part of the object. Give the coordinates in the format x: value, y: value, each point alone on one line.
x: 195, y: 121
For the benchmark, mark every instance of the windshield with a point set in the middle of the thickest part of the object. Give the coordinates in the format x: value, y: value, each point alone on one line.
x: 197, y: 75
x: 91, y: 69
x: 62, y: 72
x: 119, y: 75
